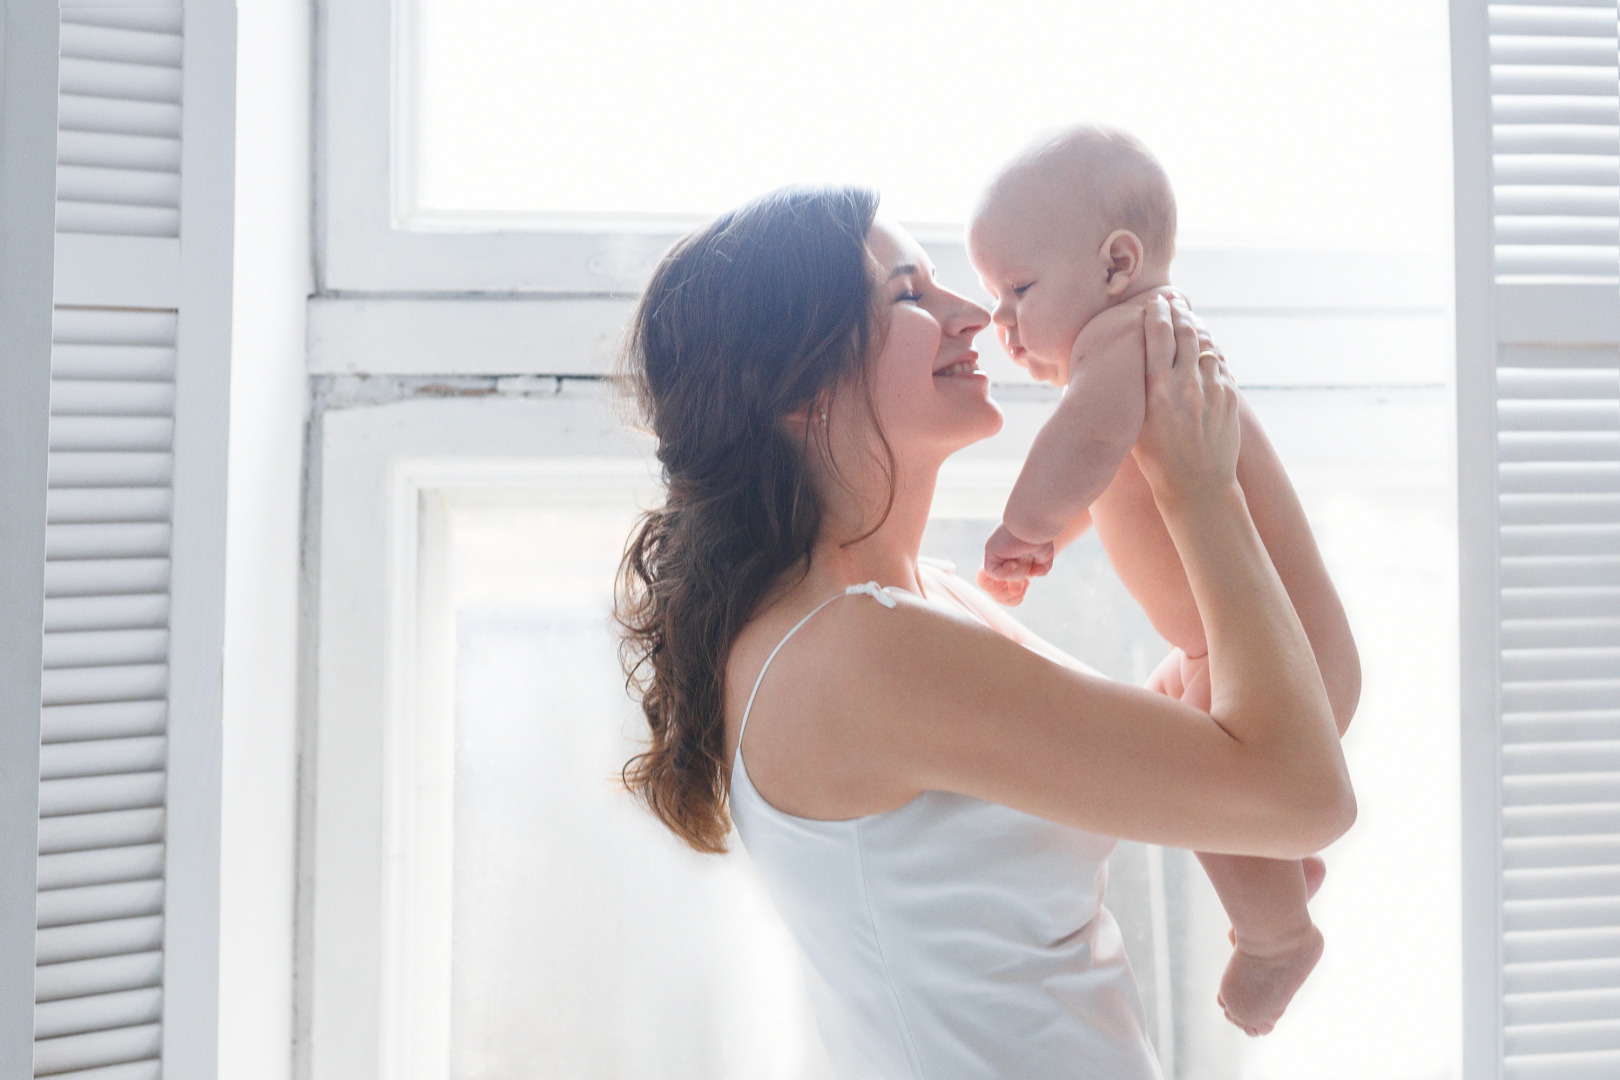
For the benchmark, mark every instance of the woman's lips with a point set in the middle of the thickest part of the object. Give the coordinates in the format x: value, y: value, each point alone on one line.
x: 968, y: 366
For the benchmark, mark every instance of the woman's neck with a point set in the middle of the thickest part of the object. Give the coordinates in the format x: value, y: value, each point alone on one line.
x: 843, y: 556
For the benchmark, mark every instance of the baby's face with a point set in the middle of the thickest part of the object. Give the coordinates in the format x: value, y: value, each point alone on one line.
x: 1047, y: 280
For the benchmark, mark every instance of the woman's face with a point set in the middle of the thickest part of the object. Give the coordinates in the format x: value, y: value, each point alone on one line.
x: 929, y: 394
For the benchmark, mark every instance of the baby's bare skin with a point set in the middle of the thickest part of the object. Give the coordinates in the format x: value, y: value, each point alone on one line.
x: 1063, y: 312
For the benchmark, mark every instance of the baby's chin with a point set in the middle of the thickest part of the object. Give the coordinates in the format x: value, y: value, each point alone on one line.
x: 1053, y: 374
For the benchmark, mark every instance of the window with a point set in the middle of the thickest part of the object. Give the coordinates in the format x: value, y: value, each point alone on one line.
x: 472, y: 293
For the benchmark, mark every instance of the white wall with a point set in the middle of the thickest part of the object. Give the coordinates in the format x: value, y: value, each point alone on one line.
x: 273, y: 278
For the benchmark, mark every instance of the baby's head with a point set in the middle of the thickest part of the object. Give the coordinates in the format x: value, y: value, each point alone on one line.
x: 1073, y: 225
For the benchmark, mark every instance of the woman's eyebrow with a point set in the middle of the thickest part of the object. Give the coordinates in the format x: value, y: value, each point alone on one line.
x: 902, y: 270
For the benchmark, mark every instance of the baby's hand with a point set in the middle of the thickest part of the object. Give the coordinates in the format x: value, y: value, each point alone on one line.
x: 1009, y: 559
x: 1005, y: 593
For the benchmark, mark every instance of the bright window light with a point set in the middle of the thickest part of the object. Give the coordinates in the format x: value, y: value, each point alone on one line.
x: 1294, y: 122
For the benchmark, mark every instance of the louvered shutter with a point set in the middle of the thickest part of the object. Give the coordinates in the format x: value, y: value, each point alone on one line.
x: 129, y: 624
x: 1538, y: 173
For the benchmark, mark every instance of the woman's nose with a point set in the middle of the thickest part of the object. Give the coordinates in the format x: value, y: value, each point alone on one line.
x: 968, y: 318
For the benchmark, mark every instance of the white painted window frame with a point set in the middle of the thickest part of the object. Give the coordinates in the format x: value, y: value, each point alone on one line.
x: 397, y: 294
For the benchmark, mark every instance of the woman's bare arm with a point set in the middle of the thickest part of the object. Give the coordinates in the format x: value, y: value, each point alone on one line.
x: 950, y: 705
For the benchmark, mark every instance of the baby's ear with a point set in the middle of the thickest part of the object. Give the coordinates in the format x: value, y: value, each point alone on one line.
x: 1121, y: 256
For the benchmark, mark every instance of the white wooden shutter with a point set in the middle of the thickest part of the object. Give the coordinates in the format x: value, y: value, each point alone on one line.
x: 1538, y: 227
x: 125, y: 949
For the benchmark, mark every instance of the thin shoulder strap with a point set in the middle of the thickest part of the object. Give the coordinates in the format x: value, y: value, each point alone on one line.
x: 870, y: 588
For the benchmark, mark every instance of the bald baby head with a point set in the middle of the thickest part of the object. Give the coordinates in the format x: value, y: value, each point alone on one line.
x: 1090, y: 180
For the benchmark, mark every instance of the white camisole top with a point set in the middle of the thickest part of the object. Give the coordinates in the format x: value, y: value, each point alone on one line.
x: 950, y: 938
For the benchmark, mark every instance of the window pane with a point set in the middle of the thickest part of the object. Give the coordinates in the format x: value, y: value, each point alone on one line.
x: 1294, y: 121
x: 586, y: 940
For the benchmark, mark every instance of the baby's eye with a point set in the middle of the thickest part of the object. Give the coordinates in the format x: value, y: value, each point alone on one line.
x: 1020, y: 290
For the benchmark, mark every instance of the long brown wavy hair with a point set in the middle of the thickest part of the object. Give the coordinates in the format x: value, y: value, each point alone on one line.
x: 755, y: 316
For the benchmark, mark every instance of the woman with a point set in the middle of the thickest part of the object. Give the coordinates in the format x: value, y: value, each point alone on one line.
x: 929, y: 790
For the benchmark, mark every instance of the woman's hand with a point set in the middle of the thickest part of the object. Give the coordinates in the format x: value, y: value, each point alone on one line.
x: 1189, y: 440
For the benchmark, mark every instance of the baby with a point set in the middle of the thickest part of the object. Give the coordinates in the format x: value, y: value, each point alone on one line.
x: 1074, y: 238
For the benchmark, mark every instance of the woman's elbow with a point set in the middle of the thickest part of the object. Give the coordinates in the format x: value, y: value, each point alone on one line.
x: 1327, y: 815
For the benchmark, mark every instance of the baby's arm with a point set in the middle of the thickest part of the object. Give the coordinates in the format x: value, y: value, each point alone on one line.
x: 1080, y: 447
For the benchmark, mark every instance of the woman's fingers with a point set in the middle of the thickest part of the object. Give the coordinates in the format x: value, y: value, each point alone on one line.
x: 1160, y: 333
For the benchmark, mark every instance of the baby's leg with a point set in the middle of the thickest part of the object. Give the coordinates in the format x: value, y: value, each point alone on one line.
x: 1276, y: 945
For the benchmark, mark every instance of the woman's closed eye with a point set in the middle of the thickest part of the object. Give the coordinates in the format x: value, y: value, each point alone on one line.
x: 909, y: 297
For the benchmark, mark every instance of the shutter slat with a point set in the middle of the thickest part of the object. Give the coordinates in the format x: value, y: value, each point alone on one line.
x: 1562, y: 1006
x: 104, y: 720
x: 159, y: 154
x: 1574, y: 603
x: 1583, y: 820
x: 70, y: 869
x: 1568, y: 358
x: 92, y: 794
x: 1559, y: 509
x: 1562, y: 757
x: 115, y: 1046
x: 116, y: 219
x: 1515, y: 446
x: 102, y: 757
x: 1555, y: 139
x: 1532, y: 665
x: 1564, y: 383
x: 1564, y: 20
x: 123, y: 682
x: 127, y: 469
x: 161, y: 82
x: 1562, y: 946
x: 90, y: 648
x: 1561, y: 696
x: 1559, y: 540
x: 74, y: 505
x: 1543, y: 50
x: 106, y: 433
x: 121, y: 1008
x: 1594, y: 170
x: 103, y: 361
x: 1599, y: 415
x: 136, y: 1070
x: 1595, y: 111
x: 1603, y: 1065
x: 1552, y: 572
x: 79, y: 978
x: 1562, y: 975
x: 1557, y: 200
x: 1562, y: 882
x: 1533, y: 79
x: 1550, y: 791
x: 82, y: 832
x: 109, y: 43
x: 124, y: 540
x: 135, y: 187
x: 1562, y: 476
x: 151, y: 119
x: 157, y: 18
x: 106, y: 577
x: 1554, y: 230
x: 1563, y: 1038
x: 79, y: 397
x: 106, y: 612
x: 1550, y: 853
x: 61, y: 907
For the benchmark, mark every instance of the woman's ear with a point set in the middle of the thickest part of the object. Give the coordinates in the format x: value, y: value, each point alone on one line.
x: 801, y: 421
x: 1121, y: 258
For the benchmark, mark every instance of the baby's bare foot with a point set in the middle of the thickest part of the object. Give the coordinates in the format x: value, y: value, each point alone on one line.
x: 1261, y: 981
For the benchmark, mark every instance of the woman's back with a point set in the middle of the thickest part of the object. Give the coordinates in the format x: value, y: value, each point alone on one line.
x: 951, y: 937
